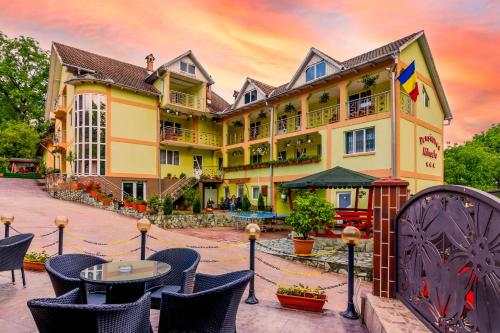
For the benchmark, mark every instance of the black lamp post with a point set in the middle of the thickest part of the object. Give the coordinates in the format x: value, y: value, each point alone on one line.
x: 143, y: 225
x: 351, y: 236
x: 61, y: 222
x: 253, y: 232
x: 7, y: 221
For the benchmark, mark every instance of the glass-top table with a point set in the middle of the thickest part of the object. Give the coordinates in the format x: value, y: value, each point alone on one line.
x: 124, y: 280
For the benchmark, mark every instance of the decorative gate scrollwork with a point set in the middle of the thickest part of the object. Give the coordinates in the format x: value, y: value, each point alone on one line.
x: 448, y: 259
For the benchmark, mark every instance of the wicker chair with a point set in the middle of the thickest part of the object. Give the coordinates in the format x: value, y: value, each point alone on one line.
x: 64, y: 272
x: 12, y: 252
x: 212, y: 307
x: 66, y: 314
x: 180, y: 279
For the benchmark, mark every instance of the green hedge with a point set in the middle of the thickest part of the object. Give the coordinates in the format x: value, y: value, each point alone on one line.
x: 23, y: 175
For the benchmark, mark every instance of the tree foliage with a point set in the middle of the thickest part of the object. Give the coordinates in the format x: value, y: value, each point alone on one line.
x: 168, y: 205
x: 475, y: 163
x: 197, y: 204
x: 24, y: 71
x: 310, y: 213
x: 245, y: 203
x: 18, y: 139
x: 261, y: 206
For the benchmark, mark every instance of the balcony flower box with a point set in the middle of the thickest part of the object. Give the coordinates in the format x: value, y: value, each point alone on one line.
x: 301, y: 297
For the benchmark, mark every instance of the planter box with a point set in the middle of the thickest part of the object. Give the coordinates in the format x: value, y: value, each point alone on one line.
x: 141, y: 208
x: 33, y: 266
x: 106, y: 202
x: 127, y: 203
x: 93, y: 193
x: 301, y: 303
x: 134, y: 205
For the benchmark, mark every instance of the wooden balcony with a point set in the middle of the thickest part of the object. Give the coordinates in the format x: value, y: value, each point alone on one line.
x: 183, y: 137
x: 323, y: 116
x: 60, y: 107
x: 369, y: 105
x: 186, y: 100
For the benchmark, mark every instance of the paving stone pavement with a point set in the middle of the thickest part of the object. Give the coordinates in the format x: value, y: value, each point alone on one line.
x: 34, y: 212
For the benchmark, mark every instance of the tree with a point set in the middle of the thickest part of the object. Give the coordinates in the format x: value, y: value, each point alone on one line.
x: 24, y: 72
x: 476, y: 163
x: 261, y: 206
x: 18, y: 139
x: 245, y: 204
x: 168, y: 205
x: 197, y: 204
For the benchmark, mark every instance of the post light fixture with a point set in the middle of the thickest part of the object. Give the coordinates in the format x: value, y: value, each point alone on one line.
x: 253, y: 232
x: 7, y: 220
x: 350, y: 236
x: 143, y: 225
x: 61, y: 222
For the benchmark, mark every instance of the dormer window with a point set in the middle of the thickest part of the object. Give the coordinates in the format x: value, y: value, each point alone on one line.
x: 187, y: 68
x: 250, y: 96
x: 315, y: 71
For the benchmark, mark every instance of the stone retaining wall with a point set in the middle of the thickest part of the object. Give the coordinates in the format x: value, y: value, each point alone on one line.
x: 167, y: 221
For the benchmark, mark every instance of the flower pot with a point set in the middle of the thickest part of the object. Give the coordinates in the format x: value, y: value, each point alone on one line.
x: 133, y: 205
x: 99, y: 197
x: 106, y: 202
x: 303, y: 246
x: 88, y: 189
x: 93, y: 193
x: 141, y: 208
x: 74, y: 186
x: 127, y: 203
x: 301, y: 303
x: 34, y: 266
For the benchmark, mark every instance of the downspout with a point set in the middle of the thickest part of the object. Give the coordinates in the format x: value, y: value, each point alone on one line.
x: 271, y: 154
x: 393, y: 115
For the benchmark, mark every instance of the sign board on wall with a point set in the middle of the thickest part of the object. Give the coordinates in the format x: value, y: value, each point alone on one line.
x: 430, y: 148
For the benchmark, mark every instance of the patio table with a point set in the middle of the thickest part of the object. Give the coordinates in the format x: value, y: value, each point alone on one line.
x: 124, y: 280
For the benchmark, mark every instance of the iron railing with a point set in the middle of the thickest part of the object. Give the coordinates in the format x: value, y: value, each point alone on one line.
x: 448, y: 259
x: 324, y: 116
x: 176, y: 190
x: 288, y: 125
x: 186, y: 100
x: 259, y: 132
x: 189, y: 136
x: 369, y: 105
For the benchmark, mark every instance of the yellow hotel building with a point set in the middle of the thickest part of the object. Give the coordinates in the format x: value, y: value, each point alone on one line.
x: 149, y: 129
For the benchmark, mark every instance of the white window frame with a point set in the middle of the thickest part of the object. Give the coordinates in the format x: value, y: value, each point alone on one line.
x: 134, y: 188
x: 426, y: 101
x: 240, y: 187
x: 250, y: 98
x: 253, y: 193
x: 315, y: 75
x: 354, y: 146
x: 164, y: 159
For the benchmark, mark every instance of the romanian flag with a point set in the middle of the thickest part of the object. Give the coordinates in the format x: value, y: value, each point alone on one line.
x: 408, y: 80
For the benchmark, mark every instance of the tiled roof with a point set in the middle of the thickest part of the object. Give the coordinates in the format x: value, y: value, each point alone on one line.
x: 106, y: 69
x: 378, y: 52
x: 218, y: 104
x: 266, y: 88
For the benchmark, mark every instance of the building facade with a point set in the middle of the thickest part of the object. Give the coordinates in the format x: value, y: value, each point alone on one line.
x: 148, y: 129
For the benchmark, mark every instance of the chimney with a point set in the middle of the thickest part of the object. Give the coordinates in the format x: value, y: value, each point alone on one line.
x: 150, y: 59
x: 235, y: 94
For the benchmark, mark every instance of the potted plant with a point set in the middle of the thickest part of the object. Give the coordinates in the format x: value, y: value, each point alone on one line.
x: 127, y: 200
x: 154, y: 204
x: 35, y: 261
x: 100, y: 196
x: 310, y: 213
x: 134, y: 203
x: 262, y: 115
x: 106, y: 200
x: 369, y: 81
x: 290, y: 107
x: 301, y: 297
x: 141, y: 206
x: 324, y: 98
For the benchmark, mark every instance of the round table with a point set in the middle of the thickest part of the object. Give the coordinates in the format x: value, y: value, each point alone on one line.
x: 124, y: 280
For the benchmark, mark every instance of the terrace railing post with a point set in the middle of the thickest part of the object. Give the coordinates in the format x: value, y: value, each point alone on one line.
x: 61, y: 222
x: 143, y: 225
x: 253, y: 232
x: 7, y: 221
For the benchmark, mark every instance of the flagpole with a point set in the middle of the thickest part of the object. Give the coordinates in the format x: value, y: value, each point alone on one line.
x: 393, y: 116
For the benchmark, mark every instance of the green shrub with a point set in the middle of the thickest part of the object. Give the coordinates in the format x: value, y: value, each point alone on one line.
x: 182, y: 175
x: 245, y: 204
x: 154, y: 204
x: 189, y: 196
x: 261, y: 206
x: 197, y: 205
x: 168, y: 205
x: 310, y: 213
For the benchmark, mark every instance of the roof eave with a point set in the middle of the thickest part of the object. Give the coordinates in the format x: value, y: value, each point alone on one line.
x: 72, y: 80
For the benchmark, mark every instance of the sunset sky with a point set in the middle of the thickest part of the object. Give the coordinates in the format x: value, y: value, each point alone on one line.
x: 267, y: 40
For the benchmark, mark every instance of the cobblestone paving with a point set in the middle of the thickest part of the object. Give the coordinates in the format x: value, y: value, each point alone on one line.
x: 90, y: 227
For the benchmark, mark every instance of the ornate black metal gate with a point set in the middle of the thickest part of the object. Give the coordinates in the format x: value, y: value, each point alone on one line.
x: 448, y: 259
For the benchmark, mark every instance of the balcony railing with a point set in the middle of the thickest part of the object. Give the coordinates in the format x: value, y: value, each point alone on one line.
x: 189, y: 136
x: 369, y: 105
x: 186, y: 100
x: 60, y: 103
x: 213, y: 173
x: 406, y: 104
x: 235, y: 137
x: 259, y: 132
x: 59, y: 137
x: 288, y: 125
x: 323, y: 116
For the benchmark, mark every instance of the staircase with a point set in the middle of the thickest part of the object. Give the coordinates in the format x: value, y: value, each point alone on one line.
x: 62, y: 182
x: 177, y: 189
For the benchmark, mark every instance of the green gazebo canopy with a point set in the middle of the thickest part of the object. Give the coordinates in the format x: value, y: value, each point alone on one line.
x: 335, y: 177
